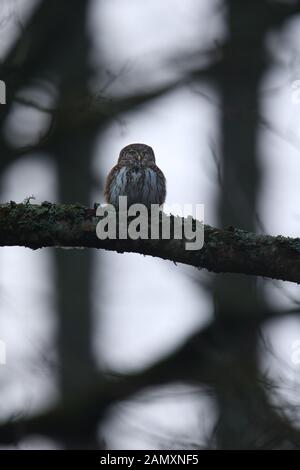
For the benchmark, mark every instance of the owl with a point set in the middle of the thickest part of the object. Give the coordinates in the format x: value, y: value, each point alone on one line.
x: 137, y: 177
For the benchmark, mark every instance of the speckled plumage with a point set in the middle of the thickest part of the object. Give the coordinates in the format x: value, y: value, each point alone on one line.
x: 137, y: 177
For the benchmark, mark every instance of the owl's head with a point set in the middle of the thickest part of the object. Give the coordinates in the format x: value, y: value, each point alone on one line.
x: 138, y: 154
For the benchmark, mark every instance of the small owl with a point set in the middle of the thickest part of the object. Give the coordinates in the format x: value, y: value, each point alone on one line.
x: 137, y: 177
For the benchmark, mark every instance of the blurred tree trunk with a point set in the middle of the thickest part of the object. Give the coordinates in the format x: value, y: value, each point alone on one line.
x: 73, y: 154
x: 238, y: 302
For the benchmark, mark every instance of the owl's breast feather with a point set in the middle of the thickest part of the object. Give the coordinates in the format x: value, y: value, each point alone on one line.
x: 140, y: 185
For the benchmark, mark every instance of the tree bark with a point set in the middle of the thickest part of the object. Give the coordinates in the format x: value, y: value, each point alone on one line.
x: 225, y: 250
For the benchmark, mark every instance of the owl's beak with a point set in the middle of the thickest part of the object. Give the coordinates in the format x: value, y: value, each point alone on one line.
x: 139, y: 158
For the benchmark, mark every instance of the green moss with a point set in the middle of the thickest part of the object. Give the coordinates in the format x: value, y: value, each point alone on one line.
x: 294, y: 244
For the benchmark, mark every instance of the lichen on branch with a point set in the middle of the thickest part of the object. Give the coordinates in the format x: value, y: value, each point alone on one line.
x: 225, y: 250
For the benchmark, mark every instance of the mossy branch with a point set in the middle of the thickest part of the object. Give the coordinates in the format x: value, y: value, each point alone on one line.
x: 225, y: 250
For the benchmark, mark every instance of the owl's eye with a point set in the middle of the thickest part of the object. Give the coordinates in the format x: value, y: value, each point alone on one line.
x: 145, y: 154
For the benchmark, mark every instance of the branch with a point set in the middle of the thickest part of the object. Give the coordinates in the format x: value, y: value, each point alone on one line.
x: 225, y: 250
